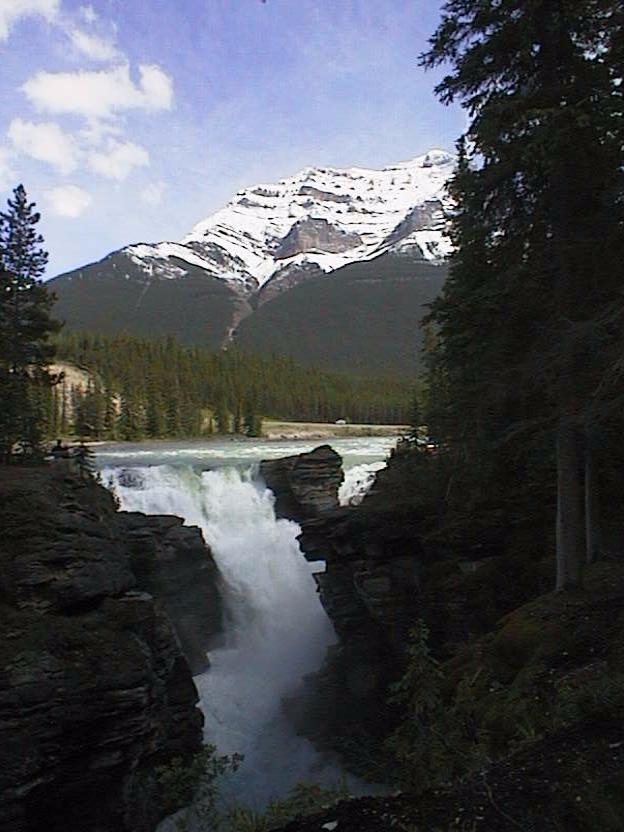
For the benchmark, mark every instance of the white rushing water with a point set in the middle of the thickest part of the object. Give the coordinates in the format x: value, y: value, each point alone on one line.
x: 276, y: 631
x: 357, y: 482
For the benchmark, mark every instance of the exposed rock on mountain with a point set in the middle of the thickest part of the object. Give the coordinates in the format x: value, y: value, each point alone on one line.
x: 315, y: 235
x: 287, y: 278
x: 94, y: 689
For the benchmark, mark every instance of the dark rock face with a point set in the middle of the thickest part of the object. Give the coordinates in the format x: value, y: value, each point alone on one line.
x: 305, y: 485
x: 287, y: 278
x: 539, y: 789
x: 370, y: 591
x: 316, y: 235
x: 429, y: 215
x: 94, y: 690
x: 172, y: 562
x: 541, y: 693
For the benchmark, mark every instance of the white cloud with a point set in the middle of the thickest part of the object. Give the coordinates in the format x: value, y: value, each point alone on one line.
x: 153, y: 193
x: 157, y: 87
x: 45, y: 141
x: 119, y: 159
x: 95, y: 131
x: 12, y: 10
x: 7, y: 174
x: 93, y: 46
x: 88, y: 14
x: 101, y: 93
x: 68, y: 200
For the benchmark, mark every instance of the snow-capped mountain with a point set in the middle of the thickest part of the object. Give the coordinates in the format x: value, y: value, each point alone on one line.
x: 316, y: 221
x: 332, y: 267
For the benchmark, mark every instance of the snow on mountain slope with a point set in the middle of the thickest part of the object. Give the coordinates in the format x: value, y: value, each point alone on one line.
x: 325, y: 217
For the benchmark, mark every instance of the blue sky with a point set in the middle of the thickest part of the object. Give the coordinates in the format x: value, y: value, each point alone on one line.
x: 130, y: 120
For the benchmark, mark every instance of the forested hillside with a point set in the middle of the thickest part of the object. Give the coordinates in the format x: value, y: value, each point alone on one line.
x: 152, y: 388
x: 362, y: 319
x: 114, y: 296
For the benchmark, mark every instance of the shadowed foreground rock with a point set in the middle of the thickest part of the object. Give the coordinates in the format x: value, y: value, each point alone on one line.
x: 538, y: 790
x: 172, y: 562
x: 543, y: 698
x: 94, y: 689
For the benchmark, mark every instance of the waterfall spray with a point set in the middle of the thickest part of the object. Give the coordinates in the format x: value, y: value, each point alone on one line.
x: 276, y: 630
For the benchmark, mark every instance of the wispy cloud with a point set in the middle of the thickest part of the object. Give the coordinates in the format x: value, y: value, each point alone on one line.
x: 7, y: 172
x: 118, y: 161
x: 93, y: 46
x: 68, y: 200
x: 46, y: 142
x: 153, y: 193
x: 100, y: 93
x: 12, y: 10
x: 88, y: 14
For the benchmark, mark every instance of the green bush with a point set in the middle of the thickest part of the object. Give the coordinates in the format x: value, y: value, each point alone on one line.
x: 435, y: 741
x: 185, y: 781
x: 304, y: 799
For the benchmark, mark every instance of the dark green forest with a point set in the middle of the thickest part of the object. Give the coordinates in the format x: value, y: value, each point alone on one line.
x: 524, y: 363
x: 161, y: 388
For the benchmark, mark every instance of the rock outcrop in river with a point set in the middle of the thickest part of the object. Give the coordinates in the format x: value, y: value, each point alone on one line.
x: 304, y: 485
x: 94, y: 688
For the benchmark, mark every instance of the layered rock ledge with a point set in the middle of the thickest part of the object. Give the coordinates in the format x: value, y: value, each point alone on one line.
x: 369, y: 589
x: 304, y: 485
x: 94, y: 688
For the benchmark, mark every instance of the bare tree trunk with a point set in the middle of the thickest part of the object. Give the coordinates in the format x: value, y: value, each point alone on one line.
x: 593, y: 530
x: 570, y: 526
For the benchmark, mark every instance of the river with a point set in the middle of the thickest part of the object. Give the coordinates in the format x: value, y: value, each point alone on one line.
x: 276, y: 630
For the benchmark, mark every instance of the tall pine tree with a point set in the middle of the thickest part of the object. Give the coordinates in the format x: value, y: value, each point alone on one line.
x: 542, y: 85
x: 25, y: 325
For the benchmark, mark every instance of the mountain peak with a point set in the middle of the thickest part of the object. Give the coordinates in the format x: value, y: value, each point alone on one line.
x: 322, y: 216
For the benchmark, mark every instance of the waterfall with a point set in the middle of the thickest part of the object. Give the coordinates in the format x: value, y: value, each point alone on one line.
x: 357, y: 482
x: 276, y: 629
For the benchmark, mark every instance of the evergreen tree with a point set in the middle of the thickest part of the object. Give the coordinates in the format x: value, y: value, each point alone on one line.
x: 222, y: 416
x: 540, y: 194
x: 129, y: 422
x: 252, y: 422
x: 25, y: 325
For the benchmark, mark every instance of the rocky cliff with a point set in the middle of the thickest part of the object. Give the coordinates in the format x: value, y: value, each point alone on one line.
x: 369, y: 589
x: 542, y: 697
x: 304, y: 485
x: 520, y: 726
x: 94, y: 688
x: 172, y: 562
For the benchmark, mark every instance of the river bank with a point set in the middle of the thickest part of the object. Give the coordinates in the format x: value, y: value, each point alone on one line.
x: 323, y: 430
x: 272, y: 430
